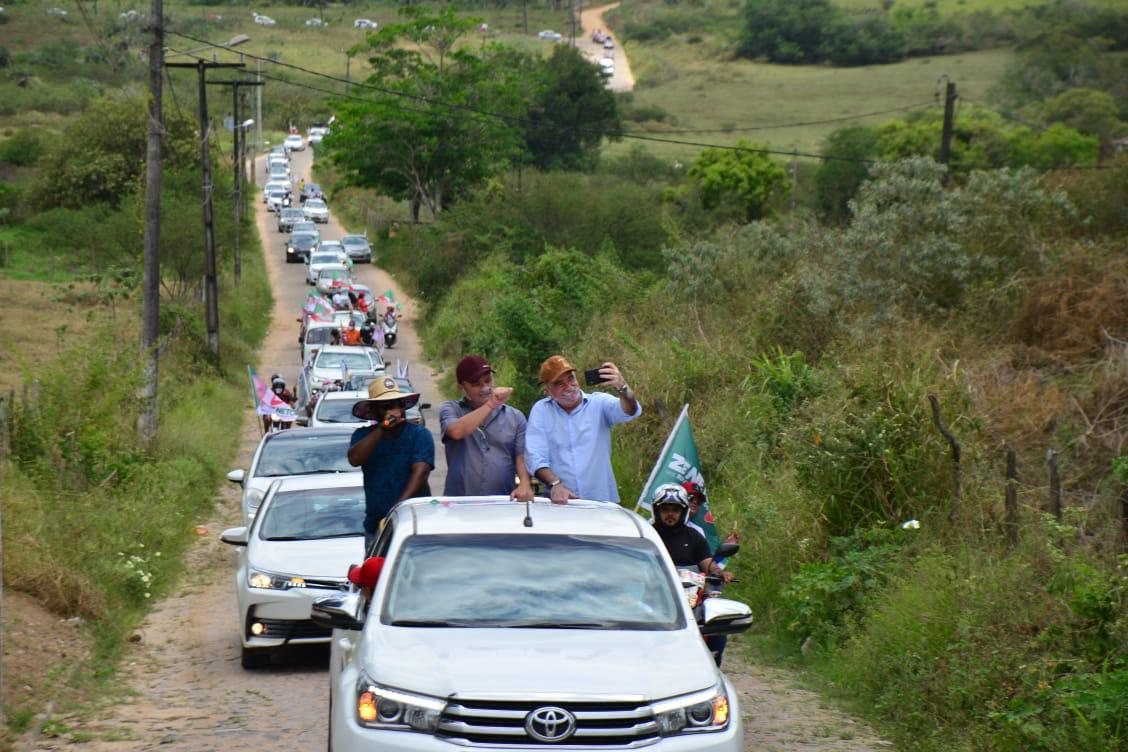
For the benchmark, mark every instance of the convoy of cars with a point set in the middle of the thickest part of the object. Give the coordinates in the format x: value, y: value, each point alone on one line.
x: 431, y: 650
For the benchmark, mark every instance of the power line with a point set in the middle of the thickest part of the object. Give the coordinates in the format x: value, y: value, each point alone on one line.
x: 802, y: 124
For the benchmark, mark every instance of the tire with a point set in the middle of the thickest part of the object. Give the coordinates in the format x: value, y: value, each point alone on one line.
x: 255, y: 658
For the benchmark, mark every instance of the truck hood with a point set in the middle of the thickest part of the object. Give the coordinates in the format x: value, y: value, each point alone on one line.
x: 539, y: 663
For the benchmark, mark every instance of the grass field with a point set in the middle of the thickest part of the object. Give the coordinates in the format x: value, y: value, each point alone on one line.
x: 709, y: 94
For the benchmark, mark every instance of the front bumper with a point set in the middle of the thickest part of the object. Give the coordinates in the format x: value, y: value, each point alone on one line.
x: 282, y: 614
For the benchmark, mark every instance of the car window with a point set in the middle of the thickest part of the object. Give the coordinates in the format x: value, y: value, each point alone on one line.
x: 336, y: 411
x: 535, y: 581
x: 313, y: 514
x: 354, y: 361
x: 304, y: 452
x: 320, y: 336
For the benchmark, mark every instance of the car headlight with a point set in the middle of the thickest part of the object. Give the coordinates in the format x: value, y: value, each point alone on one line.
x: 385, y: 708
x: 698, y: 712
x: 289, y: 249
x: 270, y: 581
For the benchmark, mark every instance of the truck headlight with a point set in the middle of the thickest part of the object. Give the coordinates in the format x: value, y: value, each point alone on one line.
x: 385, y: 708
x: 698, y: 712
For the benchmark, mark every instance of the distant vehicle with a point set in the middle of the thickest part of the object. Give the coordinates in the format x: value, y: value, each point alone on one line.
x: 316, y: 210
x: 357, y: 247
x: 326, y: 367
x: 279, y: 171
x: 277, y: 200
x: 598, y: 36
x: 606, y: 67
x: 274, y: 185
x: 334, y: 246
x: 287, y: 217
x: 335, y: 408
x: 316, y: 22
x: 56, y: 12
x: 294, y: 142
x: 317, y: 335
x: 279, y: 151
x: 550, y: 36
x: 311, y: 190
x: 364, y: 23
x: 300, y: 246
x: 262, y: 20
x: 332, y: 277
x: 130, y: 15
x: 294, y: 452
x: 608, y: 43
x: 317, y: 134
x: 320, y: 260
x: 359, y: 383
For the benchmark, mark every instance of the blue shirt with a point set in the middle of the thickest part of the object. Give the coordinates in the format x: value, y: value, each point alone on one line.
x: 485, y: 462
x: 388, y: 468
x: 576, y: 446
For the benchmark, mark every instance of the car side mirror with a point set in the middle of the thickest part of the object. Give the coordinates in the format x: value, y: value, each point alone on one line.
x: 236, y: 536
x: 337, y: 612
x: 236, y: 476
x: 424, y: 405
x: 724, y: 616
x: 725, y: 550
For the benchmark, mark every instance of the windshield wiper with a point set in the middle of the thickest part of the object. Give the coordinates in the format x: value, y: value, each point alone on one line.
x: 433, y: 623
x: 315, y: 472
x: 286, y: 538
x: 530, y: 624
x: 339, y: 535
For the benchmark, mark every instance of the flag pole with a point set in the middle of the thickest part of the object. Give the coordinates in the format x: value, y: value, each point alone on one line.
x: 661, y: 454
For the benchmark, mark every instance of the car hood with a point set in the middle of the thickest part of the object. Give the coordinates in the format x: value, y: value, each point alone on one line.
x: 526, y: 663
x: 327, y: 559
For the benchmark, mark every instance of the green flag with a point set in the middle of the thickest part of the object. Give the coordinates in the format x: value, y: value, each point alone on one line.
x: 678, y: 463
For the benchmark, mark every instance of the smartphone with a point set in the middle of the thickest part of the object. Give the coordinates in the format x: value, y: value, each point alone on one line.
x: 592, y: 377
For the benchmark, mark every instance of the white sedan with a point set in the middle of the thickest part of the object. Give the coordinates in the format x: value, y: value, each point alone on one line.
x: 364, y: 23
x: 294, y: 142
x: 297, y: 549
x: 322, y: 259
x: 316, y: 210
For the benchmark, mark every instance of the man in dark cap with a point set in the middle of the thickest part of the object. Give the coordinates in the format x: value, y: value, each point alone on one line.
x: 483, y: 437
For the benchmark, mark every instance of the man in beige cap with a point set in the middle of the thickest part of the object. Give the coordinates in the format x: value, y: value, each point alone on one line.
x: 568, y: 438
x: 395, y: 456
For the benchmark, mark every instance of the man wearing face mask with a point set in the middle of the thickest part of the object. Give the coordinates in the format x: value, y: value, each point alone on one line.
x: 278, y: 386
x: 395, y: 456
x: 568, y: 440
x: 483, y: 437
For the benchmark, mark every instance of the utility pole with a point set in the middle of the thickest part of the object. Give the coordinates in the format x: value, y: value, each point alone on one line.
x: 258, y: 120
x: 239, y: 140
x: 211, y: 283
x: 949, y: 115
x: 525, y: 15
x: 151, y: 286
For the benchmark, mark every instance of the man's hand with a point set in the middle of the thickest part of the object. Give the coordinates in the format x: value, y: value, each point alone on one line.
x: 560, y: 494
x: 499, y: 396
x: 611, y: 376
x: 523, y: 492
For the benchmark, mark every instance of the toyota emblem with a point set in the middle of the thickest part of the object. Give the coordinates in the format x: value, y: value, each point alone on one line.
x: 550, y: 724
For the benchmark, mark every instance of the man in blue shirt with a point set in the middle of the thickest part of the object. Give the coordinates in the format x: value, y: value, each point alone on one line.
x: 484, y: 438
x: 568, y: 438
x: 395, y: 456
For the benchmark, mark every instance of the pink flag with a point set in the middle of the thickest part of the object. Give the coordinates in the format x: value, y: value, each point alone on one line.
x: 269, y: 403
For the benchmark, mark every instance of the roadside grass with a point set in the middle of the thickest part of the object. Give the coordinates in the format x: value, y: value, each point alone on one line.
x: 951, y: 7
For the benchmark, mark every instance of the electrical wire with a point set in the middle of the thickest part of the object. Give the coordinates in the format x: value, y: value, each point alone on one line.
x: 801, y: 124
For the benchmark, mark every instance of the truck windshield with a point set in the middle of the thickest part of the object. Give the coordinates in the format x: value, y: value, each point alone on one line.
x: 531, y: 581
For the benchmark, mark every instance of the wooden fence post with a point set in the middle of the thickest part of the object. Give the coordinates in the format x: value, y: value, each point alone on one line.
x: 1055, y: 484
x: 957, y: 493
x: 1124, y: 520
x: 1011, y: 520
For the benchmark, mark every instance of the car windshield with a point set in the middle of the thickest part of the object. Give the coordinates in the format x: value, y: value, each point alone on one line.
x: 531, y: 581
x: 314, y: 203
x: 336, y: 411
x: 354, y: 361
x: 320, y: 336
x: 304, y: 238
x: 313, y: 514
x: 356, y: 240
x: 304, y: 452
x: 290, y: 213
x: 332, y: 274
x: 324, y: 258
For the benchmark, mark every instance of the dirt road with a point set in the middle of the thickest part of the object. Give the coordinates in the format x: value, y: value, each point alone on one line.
x: 188, y: 692
x: 591, y: 20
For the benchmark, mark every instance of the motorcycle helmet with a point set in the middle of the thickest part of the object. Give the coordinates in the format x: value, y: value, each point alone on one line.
x: 669, y: 493
x: 277, y: 383
x: 693, y: 488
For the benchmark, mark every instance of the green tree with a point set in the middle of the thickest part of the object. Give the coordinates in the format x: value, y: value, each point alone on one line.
x: 100, y: 157
x: 1088, y: 111
x: 571, y: 111
x: 422, y: 136
x: 838, y: 179
x: 786, y: 31
x: 744, y: 178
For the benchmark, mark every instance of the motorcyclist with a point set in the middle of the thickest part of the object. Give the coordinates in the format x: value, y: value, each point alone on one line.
x: 687, y: 547
x: 278, y: 386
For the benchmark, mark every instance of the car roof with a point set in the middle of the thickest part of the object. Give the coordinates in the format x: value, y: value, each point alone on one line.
x: 346, y: 349
x: 350, y: 396
x: 444, y: 515
x: 325, y: 480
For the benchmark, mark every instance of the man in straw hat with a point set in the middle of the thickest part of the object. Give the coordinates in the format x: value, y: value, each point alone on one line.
x: 395, y: 456
x: 568, y: 439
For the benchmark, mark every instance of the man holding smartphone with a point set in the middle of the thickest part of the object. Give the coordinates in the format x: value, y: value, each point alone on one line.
x: 568, y: 438
x: 396, y: 457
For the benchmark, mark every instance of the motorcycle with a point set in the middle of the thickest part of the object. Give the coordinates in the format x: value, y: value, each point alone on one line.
x: 391, y: 327
x: 699, y: 589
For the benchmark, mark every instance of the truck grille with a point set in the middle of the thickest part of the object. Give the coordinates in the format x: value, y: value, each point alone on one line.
x: 502, y: 724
